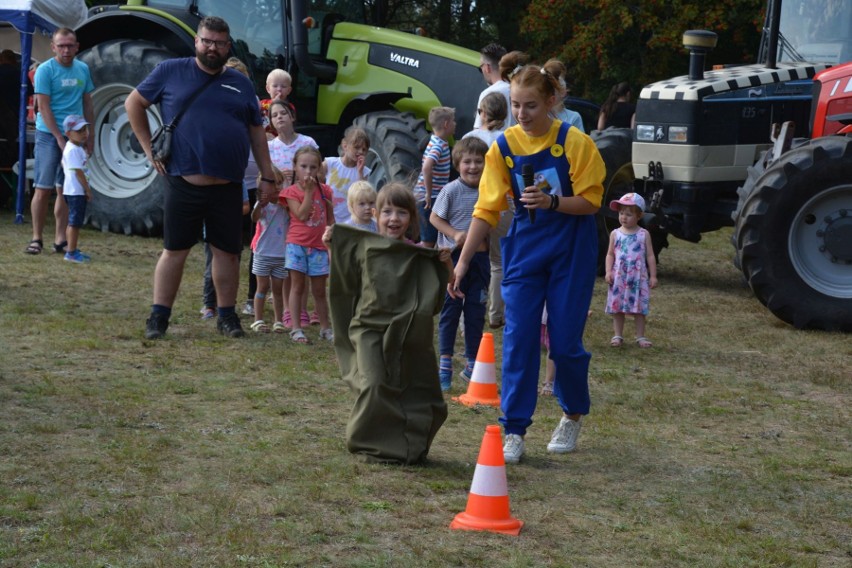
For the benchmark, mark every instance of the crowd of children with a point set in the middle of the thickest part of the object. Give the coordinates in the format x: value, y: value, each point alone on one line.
x: 550, y: 261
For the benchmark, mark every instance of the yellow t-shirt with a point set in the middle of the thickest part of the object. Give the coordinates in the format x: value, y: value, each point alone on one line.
x: 587, y: 168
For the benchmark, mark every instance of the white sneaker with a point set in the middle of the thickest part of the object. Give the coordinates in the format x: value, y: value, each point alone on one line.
x: 513, y: 448
x: 564, y: 438
x: 248, y: 308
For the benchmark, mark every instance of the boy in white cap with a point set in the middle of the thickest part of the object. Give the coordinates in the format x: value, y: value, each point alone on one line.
x: 76, y: 188
x: 631, y: 269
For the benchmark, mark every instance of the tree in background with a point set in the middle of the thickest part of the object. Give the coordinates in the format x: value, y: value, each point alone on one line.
x: 604, y: 42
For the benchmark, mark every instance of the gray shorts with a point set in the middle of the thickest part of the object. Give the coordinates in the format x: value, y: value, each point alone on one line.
x: 269, y: 266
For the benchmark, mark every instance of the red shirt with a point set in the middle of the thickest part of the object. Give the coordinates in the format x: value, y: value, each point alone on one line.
x: 308, y: 233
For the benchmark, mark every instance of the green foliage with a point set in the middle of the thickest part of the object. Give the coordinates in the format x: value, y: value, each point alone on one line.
x: 607, y: 41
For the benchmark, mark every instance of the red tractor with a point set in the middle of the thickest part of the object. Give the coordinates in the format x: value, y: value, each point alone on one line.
x: 793, y: 232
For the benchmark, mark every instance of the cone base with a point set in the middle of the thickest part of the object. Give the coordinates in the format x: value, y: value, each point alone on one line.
x: 466, y: 522
x: 468, y: 400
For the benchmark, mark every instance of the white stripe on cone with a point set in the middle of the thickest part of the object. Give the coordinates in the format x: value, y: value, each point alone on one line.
x: 483, y: 373
x: 489, y: 481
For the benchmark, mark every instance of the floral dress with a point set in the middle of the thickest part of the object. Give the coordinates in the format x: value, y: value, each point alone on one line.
x: 629, y: 291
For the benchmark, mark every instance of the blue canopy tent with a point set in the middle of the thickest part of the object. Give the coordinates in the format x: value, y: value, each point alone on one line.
x: 27, y: 16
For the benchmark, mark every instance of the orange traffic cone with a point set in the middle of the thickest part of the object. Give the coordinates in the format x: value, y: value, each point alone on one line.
x: 488, y: 500
x: 483, y: 380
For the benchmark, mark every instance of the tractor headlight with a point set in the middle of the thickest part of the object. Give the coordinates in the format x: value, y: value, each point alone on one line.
x: 645, y: 132
x: 678, y: 133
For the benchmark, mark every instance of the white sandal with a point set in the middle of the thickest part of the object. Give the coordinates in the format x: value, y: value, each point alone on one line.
x: 260, y: 327
x: 327, y: 334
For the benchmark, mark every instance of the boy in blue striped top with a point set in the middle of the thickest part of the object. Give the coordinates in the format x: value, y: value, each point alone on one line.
x: 435, y: 169
x: 451, y: 216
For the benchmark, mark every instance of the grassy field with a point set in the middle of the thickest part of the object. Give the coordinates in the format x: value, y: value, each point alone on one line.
x: 728, y: 444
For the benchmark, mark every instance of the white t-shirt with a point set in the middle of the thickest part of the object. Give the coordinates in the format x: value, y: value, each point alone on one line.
x: 73, y: 158
x: 282, y: 154
x: 501, y: 87
x: 339, y: 177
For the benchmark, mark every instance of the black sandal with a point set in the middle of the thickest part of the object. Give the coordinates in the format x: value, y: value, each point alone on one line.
x: 60, y: 248
x: 35, y: 247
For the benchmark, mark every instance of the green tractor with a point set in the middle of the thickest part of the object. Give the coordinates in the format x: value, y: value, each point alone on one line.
x: 344, y: 71
x: 701, y: 144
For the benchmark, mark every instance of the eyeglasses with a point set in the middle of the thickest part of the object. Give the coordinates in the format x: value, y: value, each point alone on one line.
x: 480, y: 110
x: 220, y: 44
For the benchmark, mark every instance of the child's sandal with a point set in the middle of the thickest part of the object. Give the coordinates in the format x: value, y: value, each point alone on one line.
x: 260, y: 327
x: 546, y: 388
x: 643, y: 342
x: 327, y: 334
x: 616, y: 341
x: 298, y: 336
x: 278, y: 327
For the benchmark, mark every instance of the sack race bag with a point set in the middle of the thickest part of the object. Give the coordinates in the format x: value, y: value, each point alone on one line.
x: 161, y: 143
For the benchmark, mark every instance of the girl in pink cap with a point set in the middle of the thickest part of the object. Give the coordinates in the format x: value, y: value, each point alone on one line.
x: 631, y: 269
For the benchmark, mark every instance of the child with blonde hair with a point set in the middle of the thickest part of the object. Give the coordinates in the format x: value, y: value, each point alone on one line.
x: 340, y: 173
x: 361, y: 201
x: 278, y: 85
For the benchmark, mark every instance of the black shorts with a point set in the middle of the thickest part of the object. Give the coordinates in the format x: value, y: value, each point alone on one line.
x: 187, y: 208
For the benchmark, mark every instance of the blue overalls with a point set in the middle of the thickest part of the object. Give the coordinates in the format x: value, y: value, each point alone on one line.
x: 553, y: 260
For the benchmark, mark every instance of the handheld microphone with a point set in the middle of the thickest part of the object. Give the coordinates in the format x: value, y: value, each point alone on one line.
x: 528, y: 174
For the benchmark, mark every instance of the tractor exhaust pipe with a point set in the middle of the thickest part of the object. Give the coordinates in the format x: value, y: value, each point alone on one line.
x: 699, y: 43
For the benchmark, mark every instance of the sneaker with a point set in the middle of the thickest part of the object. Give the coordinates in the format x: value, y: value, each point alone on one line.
x: 564, y: 438
x: 207, y: 313
x: 230, y: 326
x: 466, y: 373
x: 248, y: 308
x: 513, y: 448
x: 156, y: 326
x: 77, y: 256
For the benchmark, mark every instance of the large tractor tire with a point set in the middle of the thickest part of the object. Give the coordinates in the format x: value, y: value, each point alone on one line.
x: 128, y: 192
x: 397, y: 141
x: 747, y: 188
x: 795, y: 236
x: 743, y: 193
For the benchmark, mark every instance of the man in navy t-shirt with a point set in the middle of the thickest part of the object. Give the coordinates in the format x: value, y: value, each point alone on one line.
x: 209, y: 154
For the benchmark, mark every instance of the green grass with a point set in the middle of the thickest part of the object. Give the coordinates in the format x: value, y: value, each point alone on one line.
x: 728, y: 444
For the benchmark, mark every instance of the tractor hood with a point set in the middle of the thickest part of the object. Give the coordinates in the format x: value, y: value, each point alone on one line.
x: 729, y: 79
x: 392, y: 38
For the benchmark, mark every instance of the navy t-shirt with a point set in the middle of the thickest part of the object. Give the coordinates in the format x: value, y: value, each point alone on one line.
x: 212, y: 136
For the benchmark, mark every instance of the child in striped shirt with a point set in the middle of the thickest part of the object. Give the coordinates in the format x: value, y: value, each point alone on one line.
x: 435, y: 169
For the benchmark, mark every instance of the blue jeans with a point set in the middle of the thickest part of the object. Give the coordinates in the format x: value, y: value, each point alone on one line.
x: 428, y: 233
x: 47, y: 168
x: 474, y: 286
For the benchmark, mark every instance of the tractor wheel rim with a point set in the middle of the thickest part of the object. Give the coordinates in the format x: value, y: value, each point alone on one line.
x: 118, y: 168
x: 814, y: 259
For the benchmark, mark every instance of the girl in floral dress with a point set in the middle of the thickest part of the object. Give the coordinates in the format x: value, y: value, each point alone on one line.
x: 631, y: 269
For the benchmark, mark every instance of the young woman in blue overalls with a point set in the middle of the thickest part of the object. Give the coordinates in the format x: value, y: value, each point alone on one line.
x: 549, y: 253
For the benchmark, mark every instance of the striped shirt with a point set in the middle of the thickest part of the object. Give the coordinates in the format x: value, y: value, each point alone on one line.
x: 438, y: 150
x: 455, y: 205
